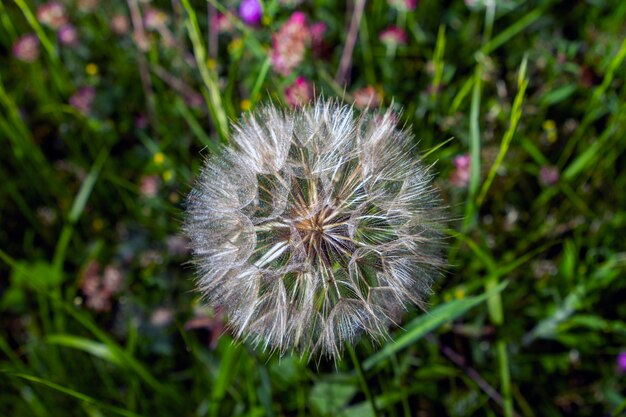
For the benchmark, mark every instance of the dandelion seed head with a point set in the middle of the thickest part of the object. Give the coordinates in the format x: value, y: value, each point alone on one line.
x: 319, y: 226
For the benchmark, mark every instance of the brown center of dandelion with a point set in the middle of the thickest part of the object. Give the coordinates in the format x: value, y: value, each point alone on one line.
x: 325, y: 237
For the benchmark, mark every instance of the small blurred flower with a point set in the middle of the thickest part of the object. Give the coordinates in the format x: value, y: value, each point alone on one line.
x: 299, y: 93
x: 68, y: 35
x: 403, y: 5
x: 87, y: 5
x: 549, y: 127
x: 155, y: 19
x: 141, y: 121
x: 251, y: 12
x: 318, y: 227
x: 26, y: 48
x: 46, y: 215
x: 393, y: 36
x: 52, y: 14
x: 161, y: 317
x: 91, y: 69
x: 621, y: 361
x: 317, y: 31
x: 99, y: 288
x: 112, y: 279
x: 289, y: 44
x: 548, y: 175
x: 367, y: 97
x: 158, y: 158
x: 177, y: 245
x: 194, y: 100
x: 83, y: 99
x: 120, y: 24
x: 246, y: 104
x: 149, y: 186
x: 461, y: 175
x: 215, y: 325
x: 222, y: 23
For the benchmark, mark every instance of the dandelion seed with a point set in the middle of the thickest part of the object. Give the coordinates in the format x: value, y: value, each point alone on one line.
x: 318, y: 227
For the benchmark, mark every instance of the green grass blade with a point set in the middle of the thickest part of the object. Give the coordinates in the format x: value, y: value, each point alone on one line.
x: 212, y: 92
x: 97, y: 349
x: 428, y: 322
x: 516, y: 115
x: 75, y: 394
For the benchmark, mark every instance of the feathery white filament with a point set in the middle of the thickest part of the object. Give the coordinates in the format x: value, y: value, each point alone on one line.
x: 321, y: 225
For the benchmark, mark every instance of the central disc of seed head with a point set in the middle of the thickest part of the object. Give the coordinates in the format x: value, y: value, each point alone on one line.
x: 324, y: 236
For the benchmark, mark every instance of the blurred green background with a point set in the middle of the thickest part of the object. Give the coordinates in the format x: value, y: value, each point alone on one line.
x: 107, y: 109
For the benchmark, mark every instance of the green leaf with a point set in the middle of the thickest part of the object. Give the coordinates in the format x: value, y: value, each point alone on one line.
x: 428, y: 322
x: 38, y: 275
x: 329, y: 397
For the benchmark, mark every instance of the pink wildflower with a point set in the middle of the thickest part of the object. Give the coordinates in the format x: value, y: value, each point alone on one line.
x: 155, y: 19
x: 299, y: 93
x: 367, y: 97
x: 26, y: 48
x: 68, y: 35
x: 461, y: 176
x: 52, y: 14
x: 289, y: 44
x: 149, y: 186
x: 120, y: 24
x: 222, y: 23
x: 403, y: 5
x: 83, y: 99
x: 393, y: 36
x: 548, y: 175
x: 98, y: 288
x: 317, y: 31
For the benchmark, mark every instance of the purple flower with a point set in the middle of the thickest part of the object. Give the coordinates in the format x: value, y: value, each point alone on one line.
x: 548, y: 175
x: 393, y: 36
x: 621, y: 361
x: 27, y: 48
x: 367, y: 97
x: 68, y: 35
x: 251, y: 12
x: 83, y: 99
